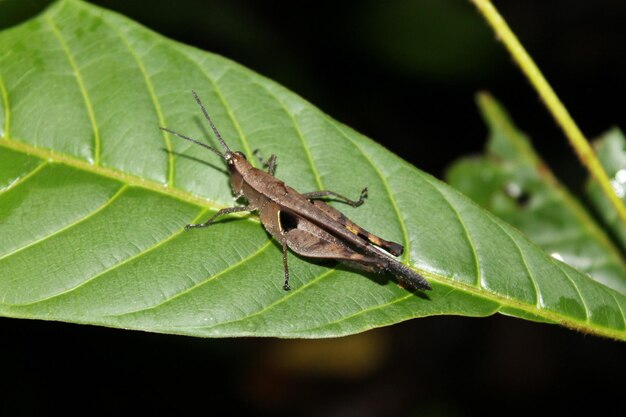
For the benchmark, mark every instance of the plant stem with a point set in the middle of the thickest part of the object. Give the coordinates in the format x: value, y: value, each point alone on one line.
x: 555, y: 106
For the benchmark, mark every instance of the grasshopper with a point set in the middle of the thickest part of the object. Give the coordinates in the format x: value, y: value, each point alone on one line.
x: 302, y: 222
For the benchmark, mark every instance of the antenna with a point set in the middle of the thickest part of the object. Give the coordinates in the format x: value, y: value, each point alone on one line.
x: 206, y: 114
x: 193, y: 140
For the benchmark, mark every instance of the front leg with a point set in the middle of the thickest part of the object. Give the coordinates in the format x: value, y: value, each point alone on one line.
x: 269, y: 164
x: 221, y: 212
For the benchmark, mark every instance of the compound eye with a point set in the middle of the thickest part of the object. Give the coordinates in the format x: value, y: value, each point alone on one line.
x: 242, y: 155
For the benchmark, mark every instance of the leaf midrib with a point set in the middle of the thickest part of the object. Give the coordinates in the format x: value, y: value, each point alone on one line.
x: 130, y: 180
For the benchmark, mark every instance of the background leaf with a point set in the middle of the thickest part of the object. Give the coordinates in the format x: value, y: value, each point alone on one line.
x: 514, y: 184
x: 610, y: 149
x: 95, y: 198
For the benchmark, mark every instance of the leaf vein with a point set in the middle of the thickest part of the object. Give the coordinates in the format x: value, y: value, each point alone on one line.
x: 220, y: 96
x: 153, y: 97
x: 582, y: 299
x: 619, y: 307
x: 277, y: 302
x: 365, y: 311
x: 538, y: 300
x: 119, y: 264
x: 24, y: 178
x: 199, y: 284
x: 479, y: 277
x: 296, y: 125
x: 81, y: 85
x: 107, y: 203
x: 7, y: 113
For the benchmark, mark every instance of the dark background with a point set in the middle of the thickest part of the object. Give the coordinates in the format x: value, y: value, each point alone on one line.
x: 404, y: 73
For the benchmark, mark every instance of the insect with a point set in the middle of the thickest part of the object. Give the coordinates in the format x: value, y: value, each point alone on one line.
x: 302, y: 222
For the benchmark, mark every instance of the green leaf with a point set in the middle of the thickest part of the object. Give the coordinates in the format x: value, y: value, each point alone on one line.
x: 93, y: 204
x: 611, y: 151
x: 513, y: 183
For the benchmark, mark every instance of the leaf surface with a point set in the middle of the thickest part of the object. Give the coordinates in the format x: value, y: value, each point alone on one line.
x: 94, y: 198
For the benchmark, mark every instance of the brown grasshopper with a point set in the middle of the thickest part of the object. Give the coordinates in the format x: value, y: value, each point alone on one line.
x: 302, y: 222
